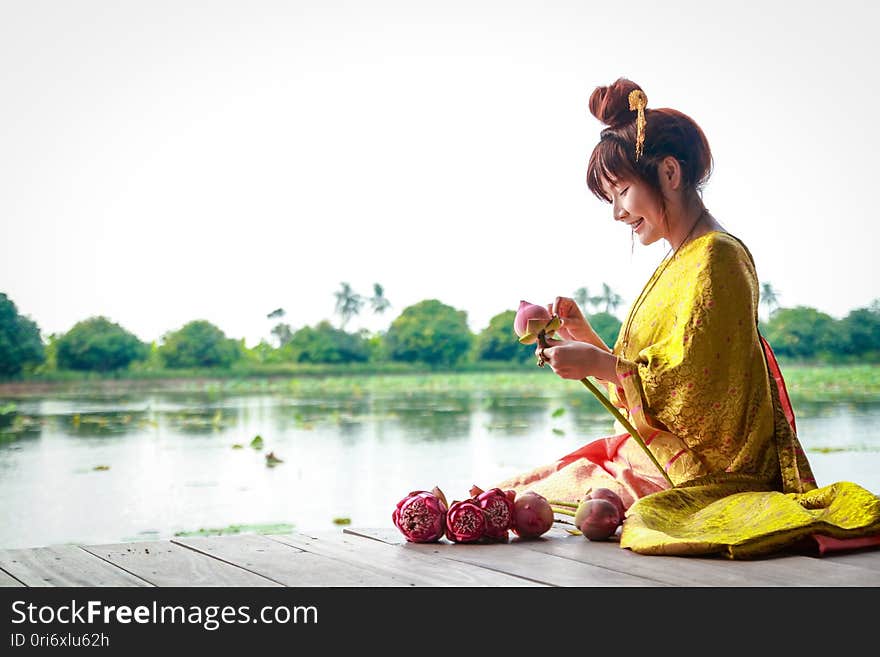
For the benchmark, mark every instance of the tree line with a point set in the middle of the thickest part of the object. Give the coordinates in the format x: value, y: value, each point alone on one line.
x: 429, y: 332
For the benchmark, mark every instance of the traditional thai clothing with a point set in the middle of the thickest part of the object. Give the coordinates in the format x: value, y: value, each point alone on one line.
x: 702, y: 388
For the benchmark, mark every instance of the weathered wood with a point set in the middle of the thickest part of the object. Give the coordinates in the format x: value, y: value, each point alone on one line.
x: 407, y: 567
x: 517, y: 559
x: 869, y: 559
x: 284, y: 563
x: 163, y: 563
x: 783, y: 570
x: 786, y: 570
x: 64, y: 565
x: 7, y: 580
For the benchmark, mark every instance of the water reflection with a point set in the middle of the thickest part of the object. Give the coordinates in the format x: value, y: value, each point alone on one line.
x: 110, y: 468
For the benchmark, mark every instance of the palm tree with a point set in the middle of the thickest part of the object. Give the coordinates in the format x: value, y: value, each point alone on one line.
x: 378, y: 301
x: 582, y: 298
x: 769, y: 298
x: 348, y: 303
x: 610, y: 298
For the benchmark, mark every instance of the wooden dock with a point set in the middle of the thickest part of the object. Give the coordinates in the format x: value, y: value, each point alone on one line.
x: 382, y: 558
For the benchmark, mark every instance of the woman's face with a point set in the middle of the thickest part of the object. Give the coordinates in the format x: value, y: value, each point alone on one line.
x: 633, y: 204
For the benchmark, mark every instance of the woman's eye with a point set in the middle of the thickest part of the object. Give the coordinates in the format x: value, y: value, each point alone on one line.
x: 624, y: 191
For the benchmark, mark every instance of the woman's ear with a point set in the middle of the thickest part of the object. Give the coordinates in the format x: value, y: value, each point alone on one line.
x: 670, y: 174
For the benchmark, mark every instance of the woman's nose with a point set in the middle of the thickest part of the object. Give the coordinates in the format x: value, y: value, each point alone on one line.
x: 619, y: 212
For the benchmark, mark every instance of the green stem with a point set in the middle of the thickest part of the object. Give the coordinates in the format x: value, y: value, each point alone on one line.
x: 565, y: 512
x: 542, y: 339
x: 572, y: 505
x: 626, y: 424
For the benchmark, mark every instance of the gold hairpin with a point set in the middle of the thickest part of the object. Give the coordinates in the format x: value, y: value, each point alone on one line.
x: 639, y: 101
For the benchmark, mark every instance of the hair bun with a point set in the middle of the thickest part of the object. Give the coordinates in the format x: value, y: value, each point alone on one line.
x: 611, y: 104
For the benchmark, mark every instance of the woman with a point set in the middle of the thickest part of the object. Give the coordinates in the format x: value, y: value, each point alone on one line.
x: 689, y: 369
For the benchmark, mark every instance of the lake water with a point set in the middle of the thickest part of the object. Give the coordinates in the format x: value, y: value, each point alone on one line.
x: 147, y: 466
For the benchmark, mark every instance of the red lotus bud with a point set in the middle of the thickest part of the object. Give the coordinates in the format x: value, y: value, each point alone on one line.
x: 599, y: 519
x: 465, y: 522
x: 524, y: 313
x: 611, y: 496
x: 532, y: 515
x: 421, y: 517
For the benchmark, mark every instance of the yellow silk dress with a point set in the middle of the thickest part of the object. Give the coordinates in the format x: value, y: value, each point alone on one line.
x: 694, y: 380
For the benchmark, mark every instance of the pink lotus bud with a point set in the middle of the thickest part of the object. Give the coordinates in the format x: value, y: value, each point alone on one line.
x: 524, y: 313
x: 597, y: 518
x: 421, y: 517
x: 498, y: 509
x: 532, y: 516
x: 611, y: 496
x: 531, y: 320
x: 465, y: 522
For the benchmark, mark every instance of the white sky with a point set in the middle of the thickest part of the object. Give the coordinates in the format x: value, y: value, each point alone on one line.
x: 169, y: 161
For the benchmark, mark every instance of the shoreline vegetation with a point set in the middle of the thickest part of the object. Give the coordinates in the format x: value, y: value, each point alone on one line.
x: 805, y: 382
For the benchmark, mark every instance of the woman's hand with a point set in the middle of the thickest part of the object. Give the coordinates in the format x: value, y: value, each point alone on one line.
x: 570, y: 359
x: 574, y: 325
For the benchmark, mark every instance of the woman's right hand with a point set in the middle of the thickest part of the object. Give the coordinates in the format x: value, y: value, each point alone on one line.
x: 574, y: 325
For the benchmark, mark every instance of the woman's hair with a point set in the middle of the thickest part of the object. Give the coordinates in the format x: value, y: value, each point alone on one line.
x: 667, y: 132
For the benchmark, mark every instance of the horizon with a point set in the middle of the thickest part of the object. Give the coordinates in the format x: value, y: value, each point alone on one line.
x: 165, y: 163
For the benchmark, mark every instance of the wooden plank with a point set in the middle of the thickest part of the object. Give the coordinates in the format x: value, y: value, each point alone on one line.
x: 789, y: 570
x: 407, y: 567
x: 163, y: 563
x: 64, y: 565
x: 782, y: 570
x: 284, y: 563
x: 516, y: 559
x: 7, y: 580
x: 868, y: 559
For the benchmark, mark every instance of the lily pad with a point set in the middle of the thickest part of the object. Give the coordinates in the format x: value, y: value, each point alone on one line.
x: 257, y: 442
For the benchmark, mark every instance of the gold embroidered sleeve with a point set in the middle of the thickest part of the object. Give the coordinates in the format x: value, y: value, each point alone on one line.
x: 697, y: 376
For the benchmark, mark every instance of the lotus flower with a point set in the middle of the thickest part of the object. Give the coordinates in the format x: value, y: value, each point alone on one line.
x: 531, y: 319
x: 465, y: 522
x: 498, y: 509
x: 421, y: 516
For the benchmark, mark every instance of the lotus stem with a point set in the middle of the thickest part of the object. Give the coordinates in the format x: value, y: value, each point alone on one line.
x: 564, y: 522
x: 572, y: 505
x: 565, y: 512
x: 542, y: 338
x: 626, y: 424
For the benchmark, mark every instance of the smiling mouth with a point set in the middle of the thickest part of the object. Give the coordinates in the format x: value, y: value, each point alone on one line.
x: 635, y: 225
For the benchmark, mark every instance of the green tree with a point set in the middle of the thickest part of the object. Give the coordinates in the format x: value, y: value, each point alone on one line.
x: 97, y: 344
x: 348, y: 304
x: 498, y: 340
x: 583, y: 299
x: 378, y: 301
x: 860, y: 333
x: 801, y: 332
x: 281, y: 331
x: 607, y: 326
x: 609, y: 298
x: 430, y: 332
x: 20, y: 342
x: 769, y: 298
x: 198, y: 344
x: 326, y: 344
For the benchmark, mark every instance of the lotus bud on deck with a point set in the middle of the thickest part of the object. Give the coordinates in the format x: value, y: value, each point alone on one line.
x: 421, y: 516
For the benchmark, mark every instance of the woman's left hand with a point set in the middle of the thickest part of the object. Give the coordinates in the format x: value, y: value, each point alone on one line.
x: 569, y: 359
